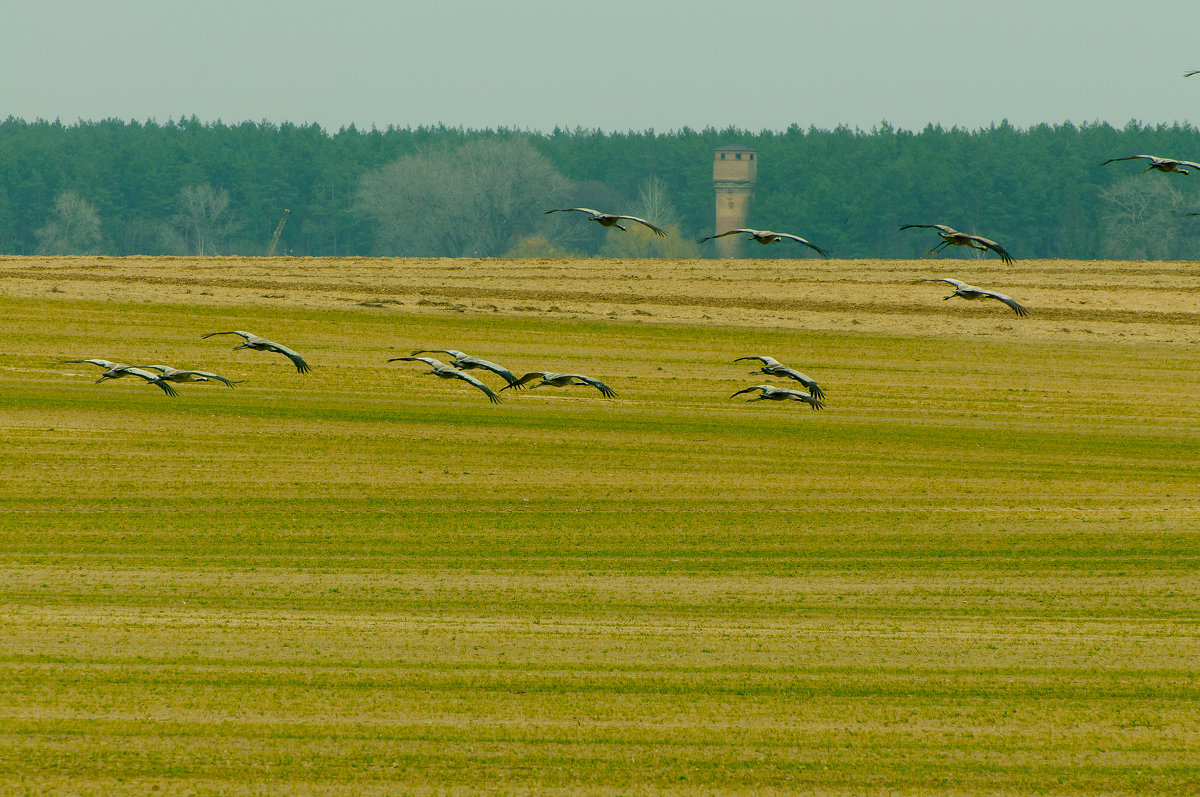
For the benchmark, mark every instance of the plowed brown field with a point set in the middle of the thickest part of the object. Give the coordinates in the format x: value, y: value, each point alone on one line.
x: 1072, y: 300
x: 977, y: 570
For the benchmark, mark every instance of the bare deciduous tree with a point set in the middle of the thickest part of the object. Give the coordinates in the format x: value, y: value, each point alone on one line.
x: 73, y: 230
x: 202, y: 218
x: 477, y: 200
x: 1142, y: 221
x: 654, y: 204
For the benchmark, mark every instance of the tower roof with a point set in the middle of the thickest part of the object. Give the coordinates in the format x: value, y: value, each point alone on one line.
x: 735, y: 148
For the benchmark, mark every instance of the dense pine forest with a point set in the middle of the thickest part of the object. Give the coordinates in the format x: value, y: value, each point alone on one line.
x: 190, y: 187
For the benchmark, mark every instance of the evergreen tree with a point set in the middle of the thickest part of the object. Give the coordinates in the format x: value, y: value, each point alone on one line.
x: 850, y: 189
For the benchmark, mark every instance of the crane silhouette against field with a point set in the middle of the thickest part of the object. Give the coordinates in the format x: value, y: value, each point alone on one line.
x: 440, y: 369
x: 252, y: 341
x: 772, y: 393
x: 952, y: 237
x: 562, y: 380
x: 772, y: 367
x: 467, y: 362
x: 176, y: 375
x: 966, y: 291
x: 114, y: 370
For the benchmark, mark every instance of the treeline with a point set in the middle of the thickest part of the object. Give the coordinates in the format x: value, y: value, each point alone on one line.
x: 189, y: 187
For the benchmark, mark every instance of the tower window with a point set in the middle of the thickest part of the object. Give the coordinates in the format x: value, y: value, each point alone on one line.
x: 738, y: 156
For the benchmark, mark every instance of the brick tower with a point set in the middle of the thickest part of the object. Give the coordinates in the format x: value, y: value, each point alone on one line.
x: 735, y: 171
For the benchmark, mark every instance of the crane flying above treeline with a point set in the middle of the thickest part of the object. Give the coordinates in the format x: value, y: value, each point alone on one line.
x: 768, y: 237
x: 611, y: 219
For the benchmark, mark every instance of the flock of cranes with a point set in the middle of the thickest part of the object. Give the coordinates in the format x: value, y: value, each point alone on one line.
x: 949, y: 236
x: 162, y: 376
x: 440, y: 369
x: 114, y: 370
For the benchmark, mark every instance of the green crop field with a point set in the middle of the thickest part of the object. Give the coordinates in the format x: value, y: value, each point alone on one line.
x: 976, y: 571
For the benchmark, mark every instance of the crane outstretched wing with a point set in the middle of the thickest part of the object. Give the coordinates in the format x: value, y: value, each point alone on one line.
x: 761, y: 388
x: 942, y: 227
x: 209, y: 375
x: 476, y: 362
x: 806, y: 242
x: 1154, y: 158
x: 154, y: 379
x: 993, y: 246
x: 764, y: 359
x: 107, y: 365
x: 170, y: 373
x: 1016, y: 308
x: 954, y: 282
x: 659, y: 231
x: 811, y: 401
x: 792, y: 373
x: 723, y: 234
x: 576, y: 210
x: 430, y: 361
x: 244, y: 335
x: 455, y: 353
x: 529, y: 377
x: 604, y: 389
x: 294, y: 356
x: 473, y: 381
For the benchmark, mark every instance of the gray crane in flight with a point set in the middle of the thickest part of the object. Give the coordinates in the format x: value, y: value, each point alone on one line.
x: 611, y: 219
x: 440, y: 369
x: 1165, y: 165
x: 768, y: 237
x: 772, y: 393
x: 252, y: 341
x: 970, y: 292
x: 772, y: 367
x: 562, y: 380
x: 467, y: 362
x: 952, y: 237
x: 114, y: 370
x: 177, y: 375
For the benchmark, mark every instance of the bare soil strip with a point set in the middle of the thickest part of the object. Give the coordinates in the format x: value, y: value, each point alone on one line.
x: 976, y: 570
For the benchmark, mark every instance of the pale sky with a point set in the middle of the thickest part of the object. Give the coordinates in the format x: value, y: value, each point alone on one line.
x: 535, y: 64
